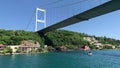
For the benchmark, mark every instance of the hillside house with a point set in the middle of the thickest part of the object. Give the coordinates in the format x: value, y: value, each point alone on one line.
x: 92, y: 40
x: 29, y: 46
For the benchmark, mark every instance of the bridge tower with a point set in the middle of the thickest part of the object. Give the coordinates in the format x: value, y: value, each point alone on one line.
x: 40, y: 20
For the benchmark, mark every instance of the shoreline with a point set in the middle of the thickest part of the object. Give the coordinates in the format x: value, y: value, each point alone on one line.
x: 19, y: 53
x: 49, y: 51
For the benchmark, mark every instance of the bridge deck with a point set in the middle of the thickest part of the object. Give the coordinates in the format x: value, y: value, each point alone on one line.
x: 94, y: 12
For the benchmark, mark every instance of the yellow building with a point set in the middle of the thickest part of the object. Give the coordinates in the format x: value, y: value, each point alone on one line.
x: 14, y: 48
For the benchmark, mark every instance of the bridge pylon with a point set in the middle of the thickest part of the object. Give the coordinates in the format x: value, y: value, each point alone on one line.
x: 40, y: 20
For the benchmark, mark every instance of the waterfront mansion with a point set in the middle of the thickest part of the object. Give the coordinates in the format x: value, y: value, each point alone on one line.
x: 26, y: 46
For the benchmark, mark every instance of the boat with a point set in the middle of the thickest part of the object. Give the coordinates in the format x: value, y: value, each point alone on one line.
x: 90, y: 53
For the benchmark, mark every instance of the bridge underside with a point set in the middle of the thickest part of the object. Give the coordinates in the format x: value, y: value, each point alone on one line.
x: 94, y: 12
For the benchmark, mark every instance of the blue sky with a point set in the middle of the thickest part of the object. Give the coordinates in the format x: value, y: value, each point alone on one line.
x: 18, y: 14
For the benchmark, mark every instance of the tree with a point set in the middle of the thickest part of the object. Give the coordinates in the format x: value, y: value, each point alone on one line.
x: 7, y: 50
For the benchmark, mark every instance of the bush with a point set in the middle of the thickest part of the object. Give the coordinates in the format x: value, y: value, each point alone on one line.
x: 7, y: 50
x: 107, y: 47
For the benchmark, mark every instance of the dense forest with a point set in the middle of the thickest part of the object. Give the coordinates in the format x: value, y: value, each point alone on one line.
x: 54, y: 39
x: 14, y: 37
x: 65, y: 38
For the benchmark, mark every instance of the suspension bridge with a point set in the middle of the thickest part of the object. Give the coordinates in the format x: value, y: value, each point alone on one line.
x: 102, y: 9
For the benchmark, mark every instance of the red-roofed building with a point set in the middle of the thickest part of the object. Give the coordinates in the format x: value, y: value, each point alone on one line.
x: 86, y: 47
x: 2, y: 47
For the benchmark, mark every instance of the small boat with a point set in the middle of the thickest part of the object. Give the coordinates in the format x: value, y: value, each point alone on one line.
x: 90, y: 53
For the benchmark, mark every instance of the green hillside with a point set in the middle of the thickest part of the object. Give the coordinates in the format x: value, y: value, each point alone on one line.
x: 65, y: 38
x: 14, y: 37
x: 76, y: 40
x: 57, y: 38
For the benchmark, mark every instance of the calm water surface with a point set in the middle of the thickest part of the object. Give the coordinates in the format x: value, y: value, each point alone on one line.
x: 73, y: 59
